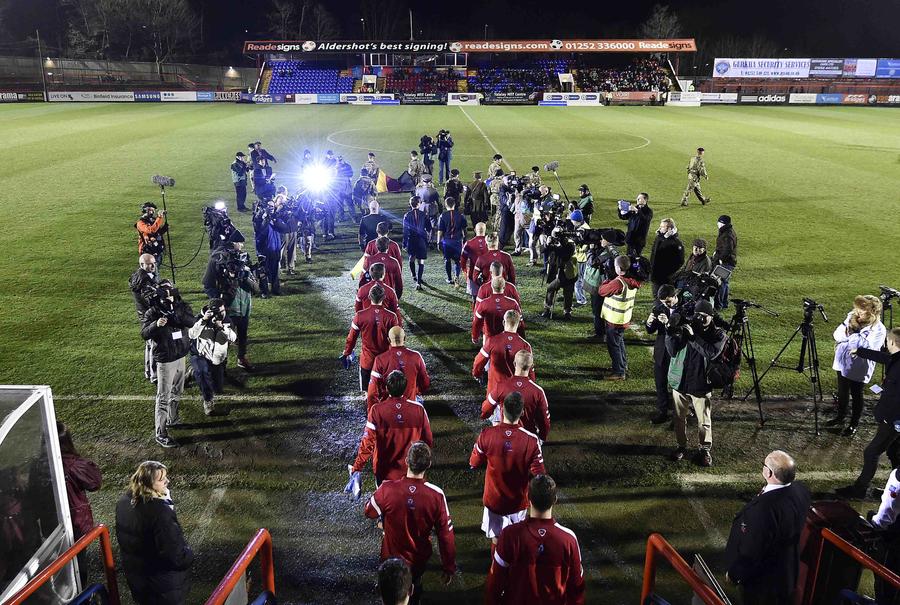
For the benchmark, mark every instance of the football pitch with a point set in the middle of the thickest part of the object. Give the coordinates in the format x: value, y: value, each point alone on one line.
x: 812, y: 193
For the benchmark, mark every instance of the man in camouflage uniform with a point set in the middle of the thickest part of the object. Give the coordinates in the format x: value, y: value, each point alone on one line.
x: 696, y: 170
x: 415, y: 168
x: 534, y: 177
x: 496, y: 165
x: 372, y: 167
x: 494, y: 186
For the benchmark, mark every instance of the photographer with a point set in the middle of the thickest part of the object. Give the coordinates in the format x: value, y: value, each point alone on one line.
x: 667, y: 255
x: 585, y: 203
x: 478, y: 200
x: 143, y: 284
x: 239, y: 170
x: 638, y: 215
x: 166, y: 323
x: 580, y: 224
x: 698, y: 263
x: 263, y: 180
x: 445, y: 155
x: 546, y: 209
x: 210, y: 336
x: 427, y: 148
x: 151, y: 227
x: 521, y: 208
x: 287, y: 212
x: 726, y: 255
x: 599, y: 257
x: 268, y: 228
x: 260, y: 155
x: 619, y: 294
x: 658, y: 323
x: 862, y: 329
x: 693, y: 342
x: 562, y: 273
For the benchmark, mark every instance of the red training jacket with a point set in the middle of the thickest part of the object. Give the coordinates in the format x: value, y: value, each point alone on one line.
x: 513, y: 456
x: 373, y: 323
x: 392, y: 426
x: 509, y: 290
x: 390, y: 299
x: 393, y: 272
x: 501, y: 351
x: 398, y: 358
x: 483, y: 266
x: 536, y: 562
x: 487, y: 317
x: 410, y: 509
x: 471, y: 251
x: 393, y: 250
x: 536, y: 410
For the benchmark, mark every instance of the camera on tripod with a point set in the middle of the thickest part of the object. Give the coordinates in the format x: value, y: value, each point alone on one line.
x: 810, y: 307
x: 218, y: 224
x: 888, y: 293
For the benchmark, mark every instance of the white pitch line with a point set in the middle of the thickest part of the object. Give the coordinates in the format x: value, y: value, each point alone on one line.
x: 692, y: 479
x: 489, y: 142
x: 293, y: 398
x: 199, y: 534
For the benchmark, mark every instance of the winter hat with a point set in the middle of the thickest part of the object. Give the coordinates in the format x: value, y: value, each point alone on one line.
x: 704, y: 306
x: 725, y: 219
x: 700, y: 242
x: 576, y: 216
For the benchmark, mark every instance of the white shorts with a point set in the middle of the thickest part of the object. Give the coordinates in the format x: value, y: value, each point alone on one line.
x: 492, y: 523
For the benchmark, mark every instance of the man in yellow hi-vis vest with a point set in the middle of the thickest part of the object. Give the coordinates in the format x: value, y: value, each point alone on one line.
x: 618, y: 304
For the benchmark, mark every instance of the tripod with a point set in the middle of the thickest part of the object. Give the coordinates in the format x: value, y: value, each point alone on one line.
x: 740, y: 329
x: 808, y: 365
x: 162, y: 192
x: 887, y: 312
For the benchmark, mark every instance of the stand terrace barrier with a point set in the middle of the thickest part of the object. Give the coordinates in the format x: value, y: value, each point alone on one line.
x: 106, y: 557
x: 260, y: 544
x: 657, y: 545
x: 879, y: 570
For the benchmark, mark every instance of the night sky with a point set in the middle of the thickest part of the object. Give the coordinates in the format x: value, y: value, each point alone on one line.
x: 819, y: 28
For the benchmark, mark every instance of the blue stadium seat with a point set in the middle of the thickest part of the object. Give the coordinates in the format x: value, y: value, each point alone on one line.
x: 293, y: 77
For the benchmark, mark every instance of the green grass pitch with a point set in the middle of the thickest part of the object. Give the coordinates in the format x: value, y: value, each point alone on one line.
x: 813, y: 195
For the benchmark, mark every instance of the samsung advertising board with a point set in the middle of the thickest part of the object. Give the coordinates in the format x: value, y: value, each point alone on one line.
x: 761, y: 68
x: 147, y: 96
x: 887, y: 68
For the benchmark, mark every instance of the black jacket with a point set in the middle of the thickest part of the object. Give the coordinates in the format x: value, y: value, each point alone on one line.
x: 762, y: 550
x: 138, y: 281
x: 666, y: 259
x: 702, y: 347
x: 368, y: 226
x: 638, y: 226
x: 653, y: 326
x: 168, y: 347
x: 726, y: 247
x: 154, y: 553
x: 455, y: 189
x: 888, y: 407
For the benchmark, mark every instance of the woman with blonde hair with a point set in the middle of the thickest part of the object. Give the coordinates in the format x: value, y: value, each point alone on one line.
x: 155, y: 556
x: 861, y: 330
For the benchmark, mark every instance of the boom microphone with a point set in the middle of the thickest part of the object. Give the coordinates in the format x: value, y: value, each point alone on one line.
x: 162, y: 181
x: 552, y: 166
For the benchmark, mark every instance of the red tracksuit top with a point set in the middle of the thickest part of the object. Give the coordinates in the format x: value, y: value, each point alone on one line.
x: 487, y: 317
x: 471, y: 251
x: 509, y: 290
x: 501, y: 351
x: 390, y: 301
x: 483, y: 266
x: 536, y: 562
x: 392, y: 426
x: 393, y: 250
x: 536, y: 411
x: 373, y: 323
x: 393, y: 271
x: 513, y: 456
x: 410, y: 509
x: 398, y: 358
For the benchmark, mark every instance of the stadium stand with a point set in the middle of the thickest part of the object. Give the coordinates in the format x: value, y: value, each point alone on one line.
x: 417, y: 80
x: 288, y: 77
x: 642, y: 74
x: 538, y: 76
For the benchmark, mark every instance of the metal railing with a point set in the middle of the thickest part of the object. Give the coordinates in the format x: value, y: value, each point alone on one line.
x: 658, y: 546
x: 106, y: 558
x: 261, y: 544
x: 857, y: 555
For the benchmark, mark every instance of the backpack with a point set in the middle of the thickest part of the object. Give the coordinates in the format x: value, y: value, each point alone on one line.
x: 726, y: 368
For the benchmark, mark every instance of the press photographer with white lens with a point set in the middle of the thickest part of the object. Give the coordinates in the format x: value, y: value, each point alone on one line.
x: 862, y: 329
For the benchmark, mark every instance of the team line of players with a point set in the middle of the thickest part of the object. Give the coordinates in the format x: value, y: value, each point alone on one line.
x: 534, y: 558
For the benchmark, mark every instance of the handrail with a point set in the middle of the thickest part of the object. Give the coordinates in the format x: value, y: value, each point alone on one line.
x: 856, y: 554
x: 48, y: 572
x: 657, y: 545
x: 260, y: 544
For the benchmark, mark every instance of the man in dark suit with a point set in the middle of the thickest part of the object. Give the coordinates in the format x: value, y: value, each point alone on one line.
x: 762, y: 552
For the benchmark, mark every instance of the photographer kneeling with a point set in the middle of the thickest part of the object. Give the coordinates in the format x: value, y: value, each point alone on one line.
x: 562, y: 272
x: 693, y: 345
x: 210, y: 336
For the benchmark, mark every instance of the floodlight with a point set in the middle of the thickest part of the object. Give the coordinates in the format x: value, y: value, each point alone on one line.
x: 316, y: 178
x: 219, y: 205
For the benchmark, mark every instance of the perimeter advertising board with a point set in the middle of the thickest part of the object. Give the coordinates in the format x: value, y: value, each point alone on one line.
x: 761, y: 68
x: 423, y: 98
x: 80, y: 96
x: 574, y: 99
x: 718, y: 98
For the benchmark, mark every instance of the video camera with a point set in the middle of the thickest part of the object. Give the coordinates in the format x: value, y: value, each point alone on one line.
x: 810, y: 307
x: 218, y: 224
x: 888, y: 293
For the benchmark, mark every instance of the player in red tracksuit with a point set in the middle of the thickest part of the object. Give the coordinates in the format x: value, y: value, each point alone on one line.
x: 536, y: 412
x: 494, y: 254
x: 472, y: 250
x: 398, y: 357
x: 376, y: 272
x: 409, y: 509
x: 486, y: 289
x: 382, y: 230
x: 392, y: 426
x: 487, y: 317
x: 500, y: 351
x: 373, y: 323
x: 537, y: 561
x: 512, y: 455
x: 393, y: 272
